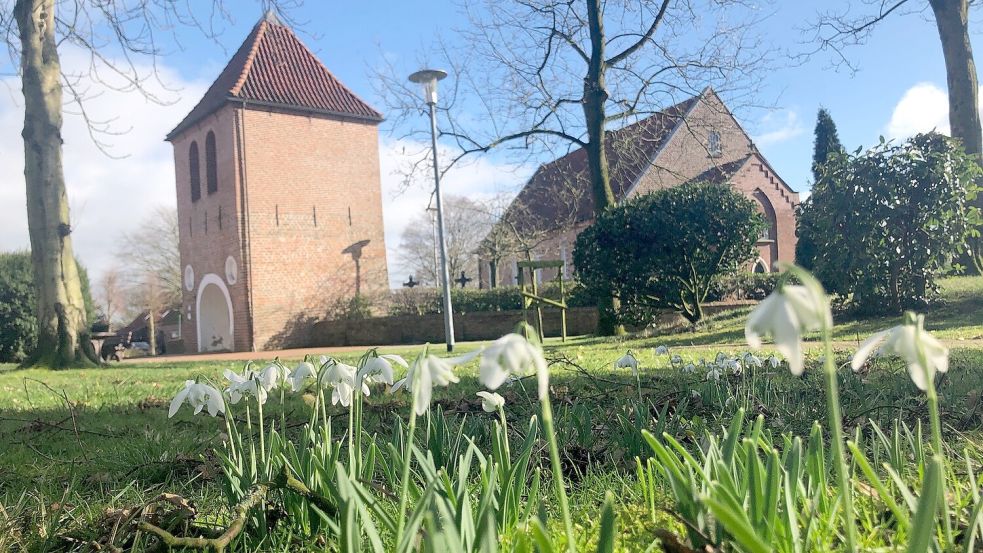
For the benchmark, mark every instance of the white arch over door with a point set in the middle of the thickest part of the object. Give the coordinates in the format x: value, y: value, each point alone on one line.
x: 211, y: 326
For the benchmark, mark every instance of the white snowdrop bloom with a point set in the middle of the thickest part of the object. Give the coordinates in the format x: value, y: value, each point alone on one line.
x: 380, y: 369
x: 774, y: 362
x: 676, y: 359
x: 785, y: 315
x: 714, y: 373
x: 428, y: 372
x: 734, y: 366
x: 662, y: 350
x: 513, y: 354
x: 695, y: 395
x: 199, y: 396
x: 627, y: 361
x: 911, y: 342
x: 689, y: 368
x: 730, y: 402
x: 490, y: 401
x: 244, y: 385
x: 273, y: 376
x: 752, y: 360
x: 340, y: 377
x: 721, y: 357
x: 300, y: 375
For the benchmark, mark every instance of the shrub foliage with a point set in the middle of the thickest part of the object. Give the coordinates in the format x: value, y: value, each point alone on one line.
x: 887, y: 222
x: 18, y: 322
x: 666, y: 249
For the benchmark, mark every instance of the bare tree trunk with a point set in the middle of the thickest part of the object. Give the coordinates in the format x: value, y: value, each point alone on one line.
x: 952, y: 20
x: 152, y: 331
x: 62, y: 331
x: 595, y: 96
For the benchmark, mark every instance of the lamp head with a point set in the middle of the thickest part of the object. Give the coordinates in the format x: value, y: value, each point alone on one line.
x: 428, y: 79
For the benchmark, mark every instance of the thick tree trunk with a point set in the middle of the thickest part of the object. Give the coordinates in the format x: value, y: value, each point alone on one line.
x: 952, y: 20
x: 62, y: 331
x: 595, y: 97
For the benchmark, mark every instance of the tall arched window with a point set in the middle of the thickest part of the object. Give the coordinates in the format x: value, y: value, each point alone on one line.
x: 194, y: 168
x: 713, y: 144
x: 770, y: 232
x: 211, y: 165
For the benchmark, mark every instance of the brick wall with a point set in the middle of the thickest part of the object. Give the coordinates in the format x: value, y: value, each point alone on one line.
x: 421, y: 329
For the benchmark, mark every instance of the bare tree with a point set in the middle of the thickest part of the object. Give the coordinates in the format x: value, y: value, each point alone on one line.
x: 152, y: 249
x: 548, y: 75
x: 116, y: 36
x: 466, y: 223
x: 837, y: 31
x: 111, y: 294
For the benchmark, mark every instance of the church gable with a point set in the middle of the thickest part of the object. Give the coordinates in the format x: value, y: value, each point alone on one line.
x: 707, y: 139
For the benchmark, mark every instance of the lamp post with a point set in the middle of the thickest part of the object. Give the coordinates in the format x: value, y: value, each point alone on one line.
x: 428, y: 79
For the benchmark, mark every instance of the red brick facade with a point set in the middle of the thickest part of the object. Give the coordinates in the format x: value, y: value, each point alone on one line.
x: 671, y: 148
x: 298, y: 199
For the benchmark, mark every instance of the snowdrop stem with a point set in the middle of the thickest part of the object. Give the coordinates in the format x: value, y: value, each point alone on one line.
x: 932, y: 398
x: 561, y: 491
x: 836, y: 428
x: 351, y: 438
x: 262, y: 435
x: 407, y: 457
x: 505, y: 432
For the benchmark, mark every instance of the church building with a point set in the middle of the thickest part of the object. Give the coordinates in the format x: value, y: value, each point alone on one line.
x: 698, y: 139
x: 278, y: 197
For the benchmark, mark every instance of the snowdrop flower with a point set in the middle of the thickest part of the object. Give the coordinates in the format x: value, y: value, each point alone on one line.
x: 242, y: 385
x: 786, y: 314
x: 774, y: 362
x: 379, y: 369
x: 300, y: 375
x: 662, y: 350
x: 341, y: 379
x: 720, y: 358
x: 714, y: 373
x: 753, y: 360
x: 730, y: 402
x: 627, y: 361
x: 910, y: 342
x: 695, y: 395
x: 273, y: 376
x: 433, y: 371
x: 510, y: 354
x: 734, y: 365
x: 198, y: 396
x: 689, y: 368
x: 491, y: 402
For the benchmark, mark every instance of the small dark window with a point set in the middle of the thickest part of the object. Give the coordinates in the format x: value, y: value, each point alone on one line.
x: 713, y: 144
x: 211, y: 164
x: 195, y: 170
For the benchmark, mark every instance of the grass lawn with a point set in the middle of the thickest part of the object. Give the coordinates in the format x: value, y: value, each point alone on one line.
x: 75, y: 443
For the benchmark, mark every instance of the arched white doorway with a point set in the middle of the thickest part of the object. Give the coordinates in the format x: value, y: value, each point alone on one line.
x: 213, y: 313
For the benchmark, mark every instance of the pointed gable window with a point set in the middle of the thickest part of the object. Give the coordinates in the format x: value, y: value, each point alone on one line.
x: 211, y: 164
x: 194, y: 168
x: 713, y: 144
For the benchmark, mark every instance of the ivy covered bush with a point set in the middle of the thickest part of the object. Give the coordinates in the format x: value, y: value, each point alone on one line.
x: 424, y: 301
x: 667, y: 249
x: 884, y: 224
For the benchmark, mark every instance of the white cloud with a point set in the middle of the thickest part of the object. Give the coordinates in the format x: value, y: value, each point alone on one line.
x: 922, y: 108
x: 479, y: 179
x: 107, y: 196
x: 782, y: 125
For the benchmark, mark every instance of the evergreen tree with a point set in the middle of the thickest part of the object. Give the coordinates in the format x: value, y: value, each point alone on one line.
x: 827, y: 142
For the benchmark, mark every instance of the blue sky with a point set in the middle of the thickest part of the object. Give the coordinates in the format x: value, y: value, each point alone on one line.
x: 898, y: 89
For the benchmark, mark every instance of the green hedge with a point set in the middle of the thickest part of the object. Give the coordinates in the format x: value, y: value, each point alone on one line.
x: 743, y: 286
x: 469, y: 300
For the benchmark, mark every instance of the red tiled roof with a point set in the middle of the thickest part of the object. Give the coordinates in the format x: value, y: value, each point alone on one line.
x: 274, y: 68
x: 559, y: 191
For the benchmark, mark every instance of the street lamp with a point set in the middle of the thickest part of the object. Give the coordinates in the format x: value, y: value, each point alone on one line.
x: 428, y: 79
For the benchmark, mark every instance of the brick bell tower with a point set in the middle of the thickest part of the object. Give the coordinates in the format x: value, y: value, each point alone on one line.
x: 278, y: 196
